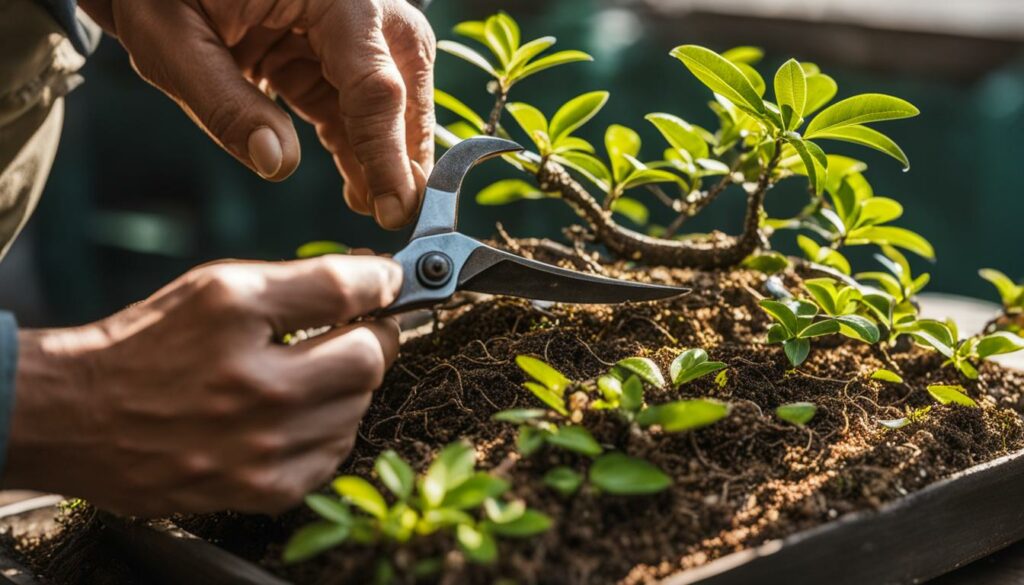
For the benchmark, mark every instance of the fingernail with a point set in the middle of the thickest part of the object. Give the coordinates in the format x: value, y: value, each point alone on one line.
x: 389, y: 211
x: 265, y: 151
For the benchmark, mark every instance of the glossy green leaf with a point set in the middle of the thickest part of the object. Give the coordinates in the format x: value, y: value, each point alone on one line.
x: 820, y: 90
x: 620, y: 474
x: 683, y: 415
x: 563, y: 480
x: 540, y: 371
x: 767, y: 262
x: 814, y: 160
x: 519, y: 415
x: 797, y: 413
x: 826, y: 327
x: 632, y: 399
x: 554, y: 401
x: 860, y: 109
x: 878, y: 210
x: 781, y: 313
x: 721, y: 76
x: 797, y: 350
x: 529, y: 118
x: 313, y: 539
x: 474, y: 491
x: 329, y: 508
x: 452, y: 466
x: 947, y: 394
x: 469, y: 55
x: 400, y: 523
x: 473, y: 29
x: 553, y: 60
x: 999, y: 343
x: 893, y: 236
x: 1009, y: 292
x: 576, y: 439
x: 361, y: 494
x: 645, y: 368
x: 501, y: 34
x: 632, y: 209
x: 589, y: 166
x: 321, y: 248
x: 647, y: 176
x: 791, y: 88
x: 680, y: 134
x: 621, y: 142
x: 575, y: 113
x: 526, y: 53
x: 744, y: 54
x: 530, y: 523
x: 755, y: 79
x: 885, y: 375
x: 454, y: 105
x: 863, y: 328
x: 530, y: 439
x: 690, y: 365
x: 395, y: 474
x: 508, y: 191
x: 868, y: 137
x: 478, y: 545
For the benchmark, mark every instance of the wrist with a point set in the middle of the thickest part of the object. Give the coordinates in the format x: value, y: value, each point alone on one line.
x: 52, y: 410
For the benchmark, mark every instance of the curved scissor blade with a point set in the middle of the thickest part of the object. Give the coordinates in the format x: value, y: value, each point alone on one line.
x: 493, y: 271
x: 440, y: 210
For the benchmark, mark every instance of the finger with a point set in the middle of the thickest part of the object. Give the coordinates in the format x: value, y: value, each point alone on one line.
x: 347, y: 361
x: 173, y: 47
x: 413, y: 46
x: 328, y: 290
x: 372, y: 104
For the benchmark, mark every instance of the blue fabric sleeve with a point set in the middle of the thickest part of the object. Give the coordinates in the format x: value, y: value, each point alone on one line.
x: 83, y: 38
x: 8, y: 371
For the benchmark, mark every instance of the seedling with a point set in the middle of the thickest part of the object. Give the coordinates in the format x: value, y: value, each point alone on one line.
x: 911, y: 415
x: 450, y: 497
x: 884, y: 375
x: 798, y: 321
x: 946, y: 394
x: 962, y: 354
x: 1011, y: 295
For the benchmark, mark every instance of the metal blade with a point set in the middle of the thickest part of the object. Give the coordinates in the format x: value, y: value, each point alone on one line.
x: 488, y: 270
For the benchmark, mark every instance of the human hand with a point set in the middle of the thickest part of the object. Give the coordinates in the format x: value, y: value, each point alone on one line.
x: 360, y: 71
x: 184, y: 402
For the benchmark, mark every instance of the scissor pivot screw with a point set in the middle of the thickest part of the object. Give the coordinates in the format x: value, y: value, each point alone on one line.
x: 434, y: 269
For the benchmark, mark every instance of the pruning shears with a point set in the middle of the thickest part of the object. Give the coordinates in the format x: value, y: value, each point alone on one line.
x: 438, y: 260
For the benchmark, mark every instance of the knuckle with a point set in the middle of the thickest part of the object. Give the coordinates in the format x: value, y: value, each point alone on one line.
x: 218, y: 289
x: 224, y: 120
x: 381, y: 91
x: 367, y: 362
x: 267, y: 444
x: 241, y: 378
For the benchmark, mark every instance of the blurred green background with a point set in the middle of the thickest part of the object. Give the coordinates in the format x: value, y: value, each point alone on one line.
x: 139, y: 195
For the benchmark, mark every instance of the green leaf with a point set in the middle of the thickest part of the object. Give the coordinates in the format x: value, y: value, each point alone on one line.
x: 860, y: 109
x: 893, y: 236
x: 646, y: 369
x: 998, y: 343
x: 531, y: 120
x: 530, y: 523
x: 632, y: 398
x: 576, y: 439
x: 395, y: 474
x: 632, y: 209
x: 361, y: 494
x: 575, y: 113
x: 400, y: 523
x: 721, y: 76
x: 563, y: 480
x: 313, y: 539
x: 781, y: 313
x: 621, y: 142
x: 791, y: 89
x: 501, y: 34
x: 744, y: 54
x: 452, y: 466
x: 690, y: 365
x: 530, y: 439
x: 646, y: 176
x: 553, y: 60
x: 473, y: 29
x: 620, y: 474
x: 767, y: 262
x: 826, y: 327
x: 587, y: 165
x: 797, y: 350
x: 474, y: 491
x: 683, y: 415
x: 610, y: 387
x: 551, y: 378
x: 321, y: 248
x: 946, y: 394
x: 822, y: 255
x: 814, y: 160
x: 469, y: 55
x: 722, y: 378
x: 755, y: 79
x: 553, y: 400
x: 868, y: 137
x: 478, y: 545
x: 330, y: 509
x: 878, y: 210
x: 797, y: 413
x: 680, y: 134
x: 885, y: 375
x: 820, y: 90
x: 526, y: 53
x: 519, y: 415
x: 1009, y: 291
x: 863, y: 328
x: 454, y: 105
x: 508, y: 191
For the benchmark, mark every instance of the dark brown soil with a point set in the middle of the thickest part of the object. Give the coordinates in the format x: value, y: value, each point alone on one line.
x: 738, y: 483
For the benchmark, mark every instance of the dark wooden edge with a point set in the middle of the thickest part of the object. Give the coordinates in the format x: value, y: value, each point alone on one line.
x: 175, y: 556
x: 925, y: 534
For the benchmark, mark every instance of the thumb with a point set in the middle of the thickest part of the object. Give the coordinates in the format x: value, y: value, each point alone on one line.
x: 174, y: 48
